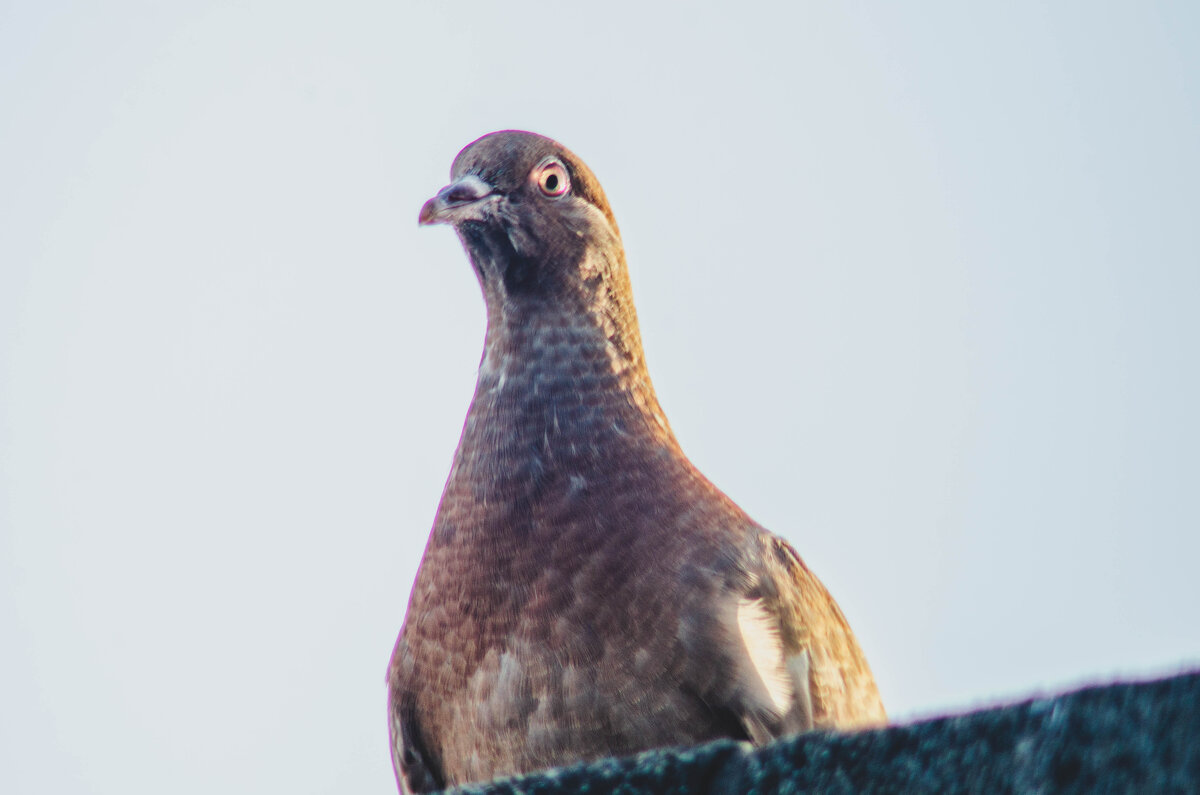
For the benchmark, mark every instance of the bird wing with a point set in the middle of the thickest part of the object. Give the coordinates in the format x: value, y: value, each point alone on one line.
x: 776, y: 655
x: 820, y: 649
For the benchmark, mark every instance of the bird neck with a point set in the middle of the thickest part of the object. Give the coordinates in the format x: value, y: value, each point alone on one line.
x: 562, y: 391
x: 544, y: 358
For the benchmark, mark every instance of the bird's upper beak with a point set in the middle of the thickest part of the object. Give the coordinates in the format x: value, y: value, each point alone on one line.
x: 460, y: 200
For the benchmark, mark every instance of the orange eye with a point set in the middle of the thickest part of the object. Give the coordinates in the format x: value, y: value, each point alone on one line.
x: 552, y: 178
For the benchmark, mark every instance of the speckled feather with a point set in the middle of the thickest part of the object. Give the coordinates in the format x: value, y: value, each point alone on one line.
x: 585, y: 591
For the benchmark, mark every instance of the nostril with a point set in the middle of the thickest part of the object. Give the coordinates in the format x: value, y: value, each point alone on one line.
x: 455, y: 200
x: 461, y: 193
x: 467, y: 189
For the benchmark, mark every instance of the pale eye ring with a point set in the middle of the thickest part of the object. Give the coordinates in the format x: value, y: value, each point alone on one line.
x: 552, y: 178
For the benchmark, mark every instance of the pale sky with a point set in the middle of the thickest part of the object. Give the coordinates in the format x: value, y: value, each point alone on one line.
x: 918, y: 285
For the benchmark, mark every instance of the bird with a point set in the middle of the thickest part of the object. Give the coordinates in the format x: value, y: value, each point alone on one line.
x: 585, y: 591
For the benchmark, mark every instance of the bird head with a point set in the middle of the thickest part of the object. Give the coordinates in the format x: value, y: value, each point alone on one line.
x: 533, y: 220
x: 545, y: 247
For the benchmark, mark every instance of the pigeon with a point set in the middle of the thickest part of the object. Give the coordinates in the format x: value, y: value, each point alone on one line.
x: 585, y: 592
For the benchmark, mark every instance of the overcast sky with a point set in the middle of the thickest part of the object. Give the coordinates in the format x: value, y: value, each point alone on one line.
x: 918, y: 283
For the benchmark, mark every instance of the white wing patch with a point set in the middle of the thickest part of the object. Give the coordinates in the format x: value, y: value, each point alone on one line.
x: 760, y: 633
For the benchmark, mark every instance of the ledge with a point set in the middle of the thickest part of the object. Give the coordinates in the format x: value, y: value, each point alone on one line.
x: 1136, y: 737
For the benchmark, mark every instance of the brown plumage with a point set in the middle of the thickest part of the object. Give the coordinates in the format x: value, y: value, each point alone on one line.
x: 585, y: 591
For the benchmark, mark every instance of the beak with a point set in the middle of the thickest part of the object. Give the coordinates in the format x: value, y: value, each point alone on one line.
x: 457, y: 201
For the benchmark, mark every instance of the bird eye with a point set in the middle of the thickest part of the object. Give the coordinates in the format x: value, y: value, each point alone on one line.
x: 552, y: 178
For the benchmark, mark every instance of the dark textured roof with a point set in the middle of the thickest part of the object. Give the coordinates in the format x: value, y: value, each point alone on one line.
x: 1139, y: 737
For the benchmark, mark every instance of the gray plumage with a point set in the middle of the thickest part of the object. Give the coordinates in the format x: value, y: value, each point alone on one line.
x: 585, y: 591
